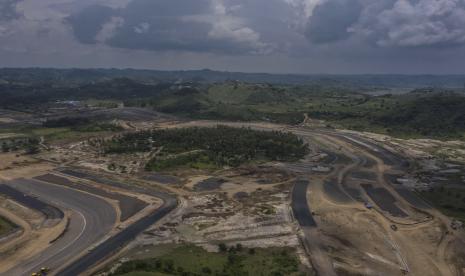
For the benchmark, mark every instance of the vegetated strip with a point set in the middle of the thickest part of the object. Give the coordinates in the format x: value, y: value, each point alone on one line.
x: 31, y: 202
x: 8, y: 228
x: 300, y: 206
x: 129, y: 206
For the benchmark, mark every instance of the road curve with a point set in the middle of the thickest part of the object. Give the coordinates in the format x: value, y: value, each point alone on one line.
x: 49, y: 211
x: 299, y: 203
x: 92, y: 218
x: 116, y: 242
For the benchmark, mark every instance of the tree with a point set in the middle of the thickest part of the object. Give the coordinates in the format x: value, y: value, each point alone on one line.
x: 32, y: 149
x: 5, y: 147
x: 206, y: 270
x: 222, y: 247
x: 169, y: 265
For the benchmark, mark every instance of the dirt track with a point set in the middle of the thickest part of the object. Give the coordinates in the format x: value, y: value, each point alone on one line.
x: 388, y: 250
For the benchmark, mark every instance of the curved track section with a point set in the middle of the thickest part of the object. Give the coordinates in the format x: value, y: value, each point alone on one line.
x: 49, y: 211
x: 113, y: 244
x: 91, y: 220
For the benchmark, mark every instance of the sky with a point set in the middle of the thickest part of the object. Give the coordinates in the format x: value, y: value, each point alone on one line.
x: 276, y: 36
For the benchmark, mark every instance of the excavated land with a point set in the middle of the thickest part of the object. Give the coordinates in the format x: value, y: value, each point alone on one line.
x: 351, y: 207
x: 366, y: 223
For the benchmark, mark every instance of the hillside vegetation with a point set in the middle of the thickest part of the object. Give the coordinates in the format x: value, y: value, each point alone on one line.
x: 209, y: 147
x: 195, y: 261
x: 435, y: 113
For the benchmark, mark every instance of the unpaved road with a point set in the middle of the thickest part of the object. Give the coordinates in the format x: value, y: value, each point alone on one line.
x: 376, y: 162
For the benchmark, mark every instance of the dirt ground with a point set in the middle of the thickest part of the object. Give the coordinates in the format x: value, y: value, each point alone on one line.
x: 251, y: 204
x: 34, y: 234
x: 15, y: 165
x: 15, y: 160
x: 361, y: 240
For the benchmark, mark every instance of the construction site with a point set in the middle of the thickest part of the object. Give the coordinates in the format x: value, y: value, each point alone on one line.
x: 352, y: 206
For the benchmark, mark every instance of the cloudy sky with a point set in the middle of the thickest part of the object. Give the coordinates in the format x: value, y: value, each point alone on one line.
x: 280, y: 36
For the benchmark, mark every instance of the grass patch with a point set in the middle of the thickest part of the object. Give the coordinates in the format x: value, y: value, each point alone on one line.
x: 450, y: 201
x: 195, y: 160
x: 144, y: 273
x: 192, y: 260
x: 6, y: 226
x: 54, y: 134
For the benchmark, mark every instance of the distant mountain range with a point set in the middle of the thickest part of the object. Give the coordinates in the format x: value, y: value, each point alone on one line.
x: 79, y: 76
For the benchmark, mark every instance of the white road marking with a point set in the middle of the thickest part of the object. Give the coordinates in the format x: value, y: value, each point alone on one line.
x: 68, y: 245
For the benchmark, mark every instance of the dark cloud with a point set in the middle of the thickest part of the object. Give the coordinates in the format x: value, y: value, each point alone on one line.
x: 167, y: 25
x: 246, y: 35
x: 88, y: 22
x: 154, y: 8
x: 8, y: 10
x: 331, y: 20
x: 161, y: 25
x: 161, y: 33
x: 237, y: 26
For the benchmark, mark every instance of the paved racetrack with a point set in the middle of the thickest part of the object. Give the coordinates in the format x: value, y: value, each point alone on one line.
x: 115, y: 243
x: 300, y: 206
x: 91, y: 220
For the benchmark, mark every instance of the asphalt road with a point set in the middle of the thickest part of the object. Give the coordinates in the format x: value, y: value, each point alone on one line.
x: 300, y: 206
x: 116, y: 242
x: 312, y: 239
x: 92, y: 218
x: 128, y: 205
x: 49, y: 211
x: 384, y: 199
x: 335, y: 186
x: 389, y: 158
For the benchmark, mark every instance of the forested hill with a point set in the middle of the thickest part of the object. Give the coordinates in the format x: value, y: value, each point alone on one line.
x: 427, y: 112
x: 438, y: 115
x: 79, y: 76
